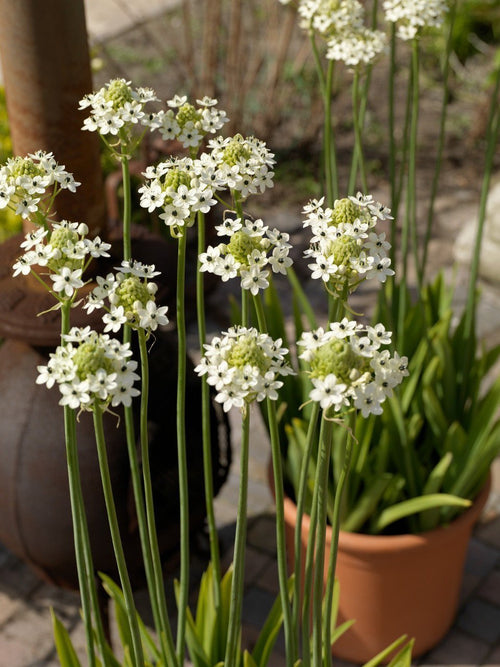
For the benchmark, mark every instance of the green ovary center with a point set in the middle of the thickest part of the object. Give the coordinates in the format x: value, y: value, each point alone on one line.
x: 119, y: 93
x: 342, y: 249
x: 132, y: 289
x: 246, y: 352
x: 345, y: 211
x: 24, y: 166
x: 241, y: 246
x: 236, y: 151
x: 175, y: 177
x: 337, y: 357
x: 187, y: 113
x: 89, y: 358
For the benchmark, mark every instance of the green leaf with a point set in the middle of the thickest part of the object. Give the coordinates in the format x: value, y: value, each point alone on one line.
x: 196, y: 651
x: 434, y: 414
x: 267, y: 636
x: 380, y: 657
x: 122, y: 621
x: 367, y: 504
x: 403, y: 658
x: 415, y: 505
x: 248, y: 661
x: 65, y: 650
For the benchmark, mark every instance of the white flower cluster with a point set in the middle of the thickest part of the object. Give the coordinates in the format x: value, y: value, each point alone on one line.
x: 244, y: 164
x: 340, y: 23
x: 344, y: 248
x: 115, y: 106
x: 414, y: 15
x: 131, y: 298
x: 244, y: 366
x: 181, y: 187
x: 348, y: 367
x: 91, y: 368
x: 24, y: 181
x: 188, y: 124
x: 65, y: 251
x: 251, y: 250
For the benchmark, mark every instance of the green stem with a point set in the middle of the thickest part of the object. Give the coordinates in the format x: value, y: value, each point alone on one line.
x: 181, y: 449
x: 127, y: 208
x: 165, y: 632
x: 234, y: 624
x: 441, y: 138
x: 205, y: 423
x: 358, y: 159
x: 331, y: 175
x: 332, y: 561
x: 290, y: 637
x: 302, y: 298
x: 392, y: 140
x: 322, y: 483
x: 301, y: 498
x: 136, y: 648
x: 411, y: 199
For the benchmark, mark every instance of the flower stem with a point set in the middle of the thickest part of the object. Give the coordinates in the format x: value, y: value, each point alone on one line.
x: 301, y: 497
x: 233, y: 631
x: 181, y: 449
x: 322, y: 484
x: 290, y: 637
x: 358, y: 159
x: 332, y: 561
x: 136, y: 648
x: 411, y: 200
x: 165, y: 631
x: 127, y: 208
x: 205, y: 422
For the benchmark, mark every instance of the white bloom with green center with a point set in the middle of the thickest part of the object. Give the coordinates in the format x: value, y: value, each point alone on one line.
x: 116, y: 105
x: 24, y: 181
x: 252, y: 251
x: 344, y: 247
x: 244, y: 366
x: 412, y: 16
x: 356, y: 46
x: 128, y: 298
x: 90, y: 369
x: 175, y: 187
x: 65, y: 250
x: 187, y: 123
x: 244, y: 164
x: 348, y: 368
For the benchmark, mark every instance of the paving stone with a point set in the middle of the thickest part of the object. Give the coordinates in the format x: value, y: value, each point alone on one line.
x: 457, y: 649
x: 256, y: 606
x: 489, y: 532
x: 256, y: 564
x: 262, y: 534
x: 481, y: 619
x: 481, y: 558
x: 490, y: 588
x: 493, y: 659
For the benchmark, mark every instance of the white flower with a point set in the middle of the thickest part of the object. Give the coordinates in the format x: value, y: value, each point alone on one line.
x: 244, y: 366
x: 414, y: 15
x: 328, y: 392
x: 152, y: 316
x: 67, y: 281
x: 114, y: 319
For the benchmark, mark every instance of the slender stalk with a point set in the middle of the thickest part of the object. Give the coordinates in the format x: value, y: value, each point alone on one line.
x: 83, y: 554
x: 239, y: 548
x: 205, y: 424
x: 181, y: 449
x: 322, y: 483
x: 332, y: 561
x: 127, y: 208
x: 411, y: 199
x: 136, y: 648
x: 392, y: 138
x: 301, y: 497
x: 291, y: 641
x: 163, y: 624
x: 358, y: 159
x: 331, y: 175
x: 441, y: 138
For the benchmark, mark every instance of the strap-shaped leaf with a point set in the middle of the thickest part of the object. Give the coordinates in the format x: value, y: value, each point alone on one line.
x: 65, y: 650
x: 380, y: 657
x: 414, y: 505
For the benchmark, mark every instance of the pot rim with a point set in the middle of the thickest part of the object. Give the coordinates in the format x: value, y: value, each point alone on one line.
x: 380, y: 543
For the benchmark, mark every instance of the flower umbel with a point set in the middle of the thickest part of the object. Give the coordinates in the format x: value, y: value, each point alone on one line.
x: 244, y: 366
x: 348, y: 368
x: 91, y: 368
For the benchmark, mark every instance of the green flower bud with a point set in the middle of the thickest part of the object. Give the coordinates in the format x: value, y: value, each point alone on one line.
x: 119, y: 93
x: 24, y: 166
x: 345, y: 211
x: 343, y: 249
x: 246, y: 351
x: 241, y: 246
x: 130, y: 290
x: 337, y: 357
x: 175, y: 177
x: 186, y: 113
x: 236, y: 151
x: 89, y: 358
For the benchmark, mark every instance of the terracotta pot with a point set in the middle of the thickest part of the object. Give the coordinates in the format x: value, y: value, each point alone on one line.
x: 395, y: 585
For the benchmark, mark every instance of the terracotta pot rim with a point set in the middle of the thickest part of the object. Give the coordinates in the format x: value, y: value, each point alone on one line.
x: 380, y: 543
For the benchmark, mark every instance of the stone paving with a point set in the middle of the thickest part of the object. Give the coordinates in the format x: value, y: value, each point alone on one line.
x: 25, y: 600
